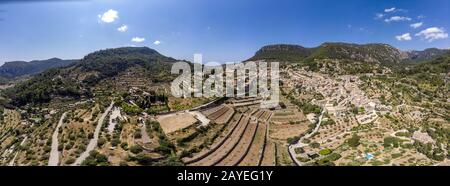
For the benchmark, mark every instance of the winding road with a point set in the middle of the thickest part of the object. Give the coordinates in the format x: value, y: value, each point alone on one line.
x: 54, y: 153
x: 93, y: 143
x: 299, y: 144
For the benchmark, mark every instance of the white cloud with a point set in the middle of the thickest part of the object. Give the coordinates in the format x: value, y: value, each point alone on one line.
x: 137, y: 39
x: 397, y: 18
x: 416, y: 25
x: 390, y: 9
x: 109, y: 16
x: 123, y: 28
x: 433, y: 33
x: 157, y: 42
x: 379, y: 15
x: 404, y: 37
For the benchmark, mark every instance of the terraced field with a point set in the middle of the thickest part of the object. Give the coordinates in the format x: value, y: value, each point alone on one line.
x: 247, y: 104
x: 255, y: 153
x: 218, y: 113
x: 225, y: 117
x: 265, y: 116
x: 268, y: 158
x: 228, y: 145
x: 228, y: 131
x: 236, y: 155
x: 237, y: 100
x: 242, y: 142
x: 209, y: 111
x: 251, y: 111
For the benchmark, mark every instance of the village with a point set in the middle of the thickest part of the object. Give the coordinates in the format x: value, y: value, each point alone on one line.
x: 352, y: 128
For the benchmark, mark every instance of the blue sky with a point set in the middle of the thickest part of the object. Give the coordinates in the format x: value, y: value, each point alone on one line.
x: 221, y: 30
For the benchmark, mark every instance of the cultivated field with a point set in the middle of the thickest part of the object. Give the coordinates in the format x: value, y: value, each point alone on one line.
x: 173, y: 122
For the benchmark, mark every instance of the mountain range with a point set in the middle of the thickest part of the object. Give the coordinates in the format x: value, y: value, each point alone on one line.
x: 81, y: 77
x: 15, y: 69
x: 371, y: 53
x: 104, y: 68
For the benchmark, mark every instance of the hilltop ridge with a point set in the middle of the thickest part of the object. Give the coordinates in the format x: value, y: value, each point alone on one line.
x: 372, y: 53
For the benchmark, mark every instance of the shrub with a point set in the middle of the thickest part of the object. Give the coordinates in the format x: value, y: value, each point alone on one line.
x: 47, y: 149
x: 325, y: 162
x: 299, y: 150
x: 353, y: 141
x: 95, y: 158
x: 101, y: 142
x: 396, y: 155
x: 81, y: 147
x: 123, y: 163
x: 143, y: 159
x: 165, y: 147
x: 391, y: 141
x: 135, y: 149
x: 70, y: 161
x: 101, y: 158
x: 137, y: 134
x: 334, y: 156
x: 124, y: 145
x: 115, y: 142
x: 293, y: 140
x: 324, y: 151
x: 302, y: 159
x: 60, y: 147
x: 314, y: 145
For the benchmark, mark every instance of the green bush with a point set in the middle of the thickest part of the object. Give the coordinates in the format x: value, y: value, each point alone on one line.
x: 101, y: 142
x: 115, y: 142
x: 299, y: 150
x: 95, y: 158
x: 137, y: 134
x: 391, y: 142
x: 293, y: 140
x: 354, y: 141
x: 314, y: 145
x: 135, y: 149
x: 334, y: 156
x: 124, y: 145
x: 143, y: 159
x: 324, y: 151
x: 302, y: 159
x: 70, y: 161
x: 47, y: 149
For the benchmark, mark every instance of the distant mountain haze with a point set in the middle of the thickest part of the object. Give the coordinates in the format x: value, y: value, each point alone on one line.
x: 426, y: 54
x: 21, y: 68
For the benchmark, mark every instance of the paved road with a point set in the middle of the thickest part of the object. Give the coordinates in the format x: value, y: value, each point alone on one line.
x: 54, y: 153
x: 299, y: 144
x: 401, y: 137
x: 93, y: 143
x: 11, y: 163
x: 115, y: 115
x: 144, y: 134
